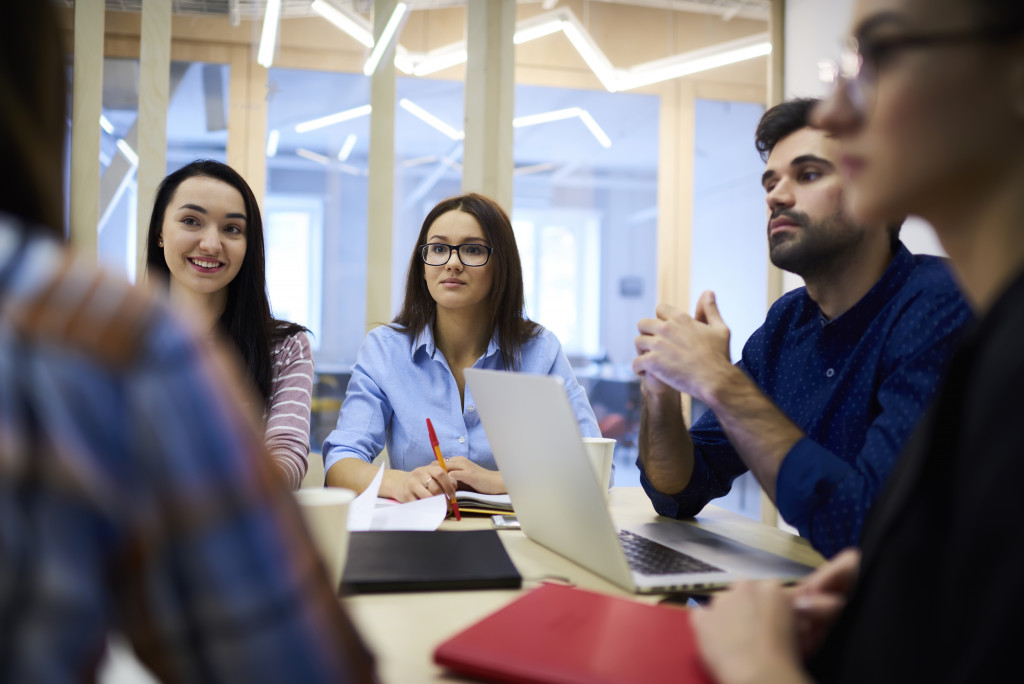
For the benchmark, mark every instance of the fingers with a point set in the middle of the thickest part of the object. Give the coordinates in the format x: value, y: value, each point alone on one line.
x: 707, y: 310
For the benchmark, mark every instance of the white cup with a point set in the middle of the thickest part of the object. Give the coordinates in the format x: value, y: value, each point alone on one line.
x: 326, y: 514
x: 600, y: 451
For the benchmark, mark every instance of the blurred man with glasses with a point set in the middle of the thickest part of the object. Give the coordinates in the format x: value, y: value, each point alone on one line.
x: 830, y: 386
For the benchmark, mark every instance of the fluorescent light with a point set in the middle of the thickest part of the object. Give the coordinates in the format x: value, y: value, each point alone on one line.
x: 106, y: 125
x: 441, y: 59
x: 272, y: 139
x: 596, y: 130
x: 312, y: 156
x: 540, y: 30
x: 404, y: 61
x: 128, y: 152
x: 562, y: 114
x: 545, y: 117
x: 431, y: 120
x: 696, y: 61
x: 384, y: 42
x: 343, y: 21
x: 331, y: 119
x: 590, y: 53
x: 346, y: 147
x: 418, y: 161
x: 268, y: 37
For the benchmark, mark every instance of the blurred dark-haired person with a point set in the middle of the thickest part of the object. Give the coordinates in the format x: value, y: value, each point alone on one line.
x: 134, y: 493
x: 463, y: 308
x: 929, y: 119
x: 206, y: 246
x: 829, y: 388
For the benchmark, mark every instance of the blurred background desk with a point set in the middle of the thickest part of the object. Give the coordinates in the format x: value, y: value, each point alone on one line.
x: 404, y: 629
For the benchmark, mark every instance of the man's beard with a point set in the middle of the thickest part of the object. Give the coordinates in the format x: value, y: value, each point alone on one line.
x: 815, y: 247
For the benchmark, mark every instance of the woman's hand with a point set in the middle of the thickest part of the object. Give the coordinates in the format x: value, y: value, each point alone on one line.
x: 748, y: 634
x: 470, y: 475
x: 421, y: 483
x: 819, y: 597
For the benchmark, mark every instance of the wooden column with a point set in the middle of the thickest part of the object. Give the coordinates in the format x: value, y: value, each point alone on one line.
x: 380, y: 205
x: 154, y: 88
x: 488, y: 158
x: 86, y: 107
x: 776, y: 92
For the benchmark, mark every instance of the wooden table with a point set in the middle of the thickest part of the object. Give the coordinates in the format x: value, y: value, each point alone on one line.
x: 403, y: 629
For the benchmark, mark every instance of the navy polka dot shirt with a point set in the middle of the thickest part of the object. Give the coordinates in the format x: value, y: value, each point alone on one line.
x: 855, y: 385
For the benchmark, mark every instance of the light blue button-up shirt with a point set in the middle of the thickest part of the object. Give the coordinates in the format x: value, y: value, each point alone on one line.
x: 397, y: 383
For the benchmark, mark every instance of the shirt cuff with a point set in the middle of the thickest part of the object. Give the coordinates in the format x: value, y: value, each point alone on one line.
x: 808, y: 475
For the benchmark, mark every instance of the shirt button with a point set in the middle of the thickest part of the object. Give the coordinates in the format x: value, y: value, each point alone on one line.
x: 462, y: 440
x: 471, y: 408
x: 829, y: 373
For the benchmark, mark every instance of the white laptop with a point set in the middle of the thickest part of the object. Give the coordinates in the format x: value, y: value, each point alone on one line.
x: 536, y: 442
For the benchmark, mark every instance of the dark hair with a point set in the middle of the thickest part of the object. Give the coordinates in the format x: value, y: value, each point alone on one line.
x: 508, y: 316
x: 780, y: 122
x: 246, y: 318
x: 785, y: 119
x: 32, y: 117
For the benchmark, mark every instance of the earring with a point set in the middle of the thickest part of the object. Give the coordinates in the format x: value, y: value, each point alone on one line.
x: 160, y: 243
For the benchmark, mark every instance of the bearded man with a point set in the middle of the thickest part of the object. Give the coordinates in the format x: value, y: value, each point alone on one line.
x: 831, y: 385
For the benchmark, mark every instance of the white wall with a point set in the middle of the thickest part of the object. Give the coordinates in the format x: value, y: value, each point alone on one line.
x: 814, y: 32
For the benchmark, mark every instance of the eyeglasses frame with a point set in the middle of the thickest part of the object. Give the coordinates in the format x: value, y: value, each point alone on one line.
x: 455, y: 249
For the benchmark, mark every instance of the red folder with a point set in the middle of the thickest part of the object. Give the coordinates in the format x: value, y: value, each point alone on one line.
x: 560, y: 634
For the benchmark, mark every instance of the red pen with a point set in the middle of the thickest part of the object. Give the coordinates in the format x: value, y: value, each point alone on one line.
x: 440, y: 461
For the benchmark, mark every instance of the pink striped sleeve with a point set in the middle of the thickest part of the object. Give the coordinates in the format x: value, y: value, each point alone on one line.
x: 287, y: 433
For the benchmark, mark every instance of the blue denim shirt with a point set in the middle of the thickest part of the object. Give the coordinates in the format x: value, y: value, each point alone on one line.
x: 398, y: 382
x: 856, y: 385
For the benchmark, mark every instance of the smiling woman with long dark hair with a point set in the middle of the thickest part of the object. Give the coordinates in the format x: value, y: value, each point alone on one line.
x: 206, y: 243
x: 463, y: 308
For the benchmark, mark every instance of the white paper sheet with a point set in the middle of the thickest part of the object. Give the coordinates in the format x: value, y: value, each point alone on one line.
x: 368, y: 512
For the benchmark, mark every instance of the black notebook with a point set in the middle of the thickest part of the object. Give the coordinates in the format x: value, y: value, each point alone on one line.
x: 381, y: 561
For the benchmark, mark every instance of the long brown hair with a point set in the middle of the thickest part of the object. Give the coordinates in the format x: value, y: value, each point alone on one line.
x: 246, y: 319
x: 507, y: 306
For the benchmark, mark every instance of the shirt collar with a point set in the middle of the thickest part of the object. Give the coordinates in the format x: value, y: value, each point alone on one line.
x: 425, y: 341
x: 864, y: 311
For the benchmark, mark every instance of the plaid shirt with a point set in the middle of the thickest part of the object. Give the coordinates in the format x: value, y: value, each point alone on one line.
x: 130, y: 497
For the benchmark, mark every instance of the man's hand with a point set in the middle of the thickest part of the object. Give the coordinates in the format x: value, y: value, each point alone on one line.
x: 688, y: 354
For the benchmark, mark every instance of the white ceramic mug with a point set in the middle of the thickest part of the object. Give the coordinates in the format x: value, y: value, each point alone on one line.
x: 600, y: 451
x: 326, y: 514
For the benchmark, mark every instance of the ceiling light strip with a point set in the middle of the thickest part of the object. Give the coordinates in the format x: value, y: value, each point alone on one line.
x: 346, y: 147
x: 356, y: 27
x: 431, y: 120
x: 386, y: 36
x: 331, y: 119
x: 268, y: 37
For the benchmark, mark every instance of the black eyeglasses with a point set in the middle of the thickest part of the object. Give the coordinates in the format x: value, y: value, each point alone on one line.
x: 861, y: 58
x: 470, y: 253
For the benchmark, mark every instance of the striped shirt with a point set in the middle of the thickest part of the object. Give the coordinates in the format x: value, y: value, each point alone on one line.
x: 291, y: 391
x: 134, y: 495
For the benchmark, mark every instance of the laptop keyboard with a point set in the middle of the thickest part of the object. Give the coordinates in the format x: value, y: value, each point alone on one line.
x: 651, y: 558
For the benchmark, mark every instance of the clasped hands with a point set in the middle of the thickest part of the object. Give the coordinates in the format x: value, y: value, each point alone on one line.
x: 687, y: 353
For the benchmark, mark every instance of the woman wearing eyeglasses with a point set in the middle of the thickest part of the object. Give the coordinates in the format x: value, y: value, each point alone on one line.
x: 929, y: 114
x: 463, y: 309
